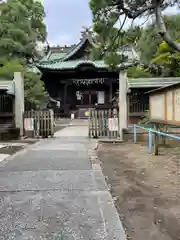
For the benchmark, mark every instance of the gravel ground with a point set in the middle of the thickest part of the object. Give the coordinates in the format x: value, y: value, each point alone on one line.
x: 10, y: 149
x: 145, y: 188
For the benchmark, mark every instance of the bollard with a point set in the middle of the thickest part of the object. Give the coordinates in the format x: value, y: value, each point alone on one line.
x: 135, y: 134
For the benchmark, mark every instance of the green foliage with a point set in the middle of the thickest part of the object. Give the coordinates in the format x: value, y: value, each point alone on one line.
x: 150, y: 39
x: 35, y: 93
x: 168, y: 59
x: 146, y: 118
x: 34, y: 89
x: 138, y: 72
x: 21, y: 28
x: 109, y: 46
x: 106, y: 13
x: 110, y: 12
x: 8, y: 69
x: 109, y: 38
x: 132, y: 35
x: 148, y: 43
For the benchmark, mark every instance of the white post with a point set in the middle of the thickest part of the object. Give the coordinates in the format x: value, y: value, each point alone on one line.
x: 122, y: 102
x: 19, y: 100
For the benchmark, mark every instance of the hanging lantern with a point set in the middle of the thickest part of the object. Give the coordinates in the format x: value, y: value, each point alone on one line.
x: 78, y: 95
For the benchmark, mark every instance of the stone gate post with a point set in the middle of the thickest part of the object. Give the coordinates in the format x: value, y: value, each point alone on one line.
x: 19, y: 100
x: 122, y: 102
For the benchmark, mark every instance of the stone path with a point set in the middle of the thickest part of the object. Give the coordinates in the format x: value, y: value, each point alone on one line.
x: 56, y: 190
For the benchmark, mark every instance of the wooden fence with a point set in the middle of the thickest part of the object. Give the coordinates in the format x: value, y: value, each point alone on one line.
x: 138, y: 108
x: 7, y: 121
x: 39, y: 123
x: 103, y: 123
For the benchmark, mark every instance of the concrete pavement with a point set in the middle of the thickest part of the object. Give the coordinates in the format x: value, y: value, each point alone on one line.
x: 56, y: 190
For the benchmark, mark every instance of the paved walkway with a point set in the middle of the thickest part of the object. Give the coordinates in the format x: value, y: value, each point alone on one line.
x: 56, y: 190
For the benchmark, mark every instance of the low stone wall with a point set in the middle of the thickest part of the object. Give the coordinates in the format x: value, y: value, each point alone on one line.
x: 10, y: 134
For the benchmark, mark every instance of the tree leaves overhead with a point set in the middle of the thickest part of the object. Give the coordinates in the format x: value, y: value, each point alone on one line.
x: 21, y: 28
x: 145, y: 39
x: 138, y: 72
x: 109, y: 12
x: 168, y: 59
x: 150, y: 40
x: 34, y: 91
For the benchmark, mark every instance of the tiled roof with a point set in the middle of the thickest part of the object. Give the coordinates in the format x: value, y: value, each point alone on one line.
x: 53, y: 56
x: 76, y: 48
x: 33, y: 68
x: 7, y: 86
x: 164, y: 88
x: 73, y: 64
x: 64, y: 55
x: 85, y: 37
x: 60, y: 65
x: 151, y: 82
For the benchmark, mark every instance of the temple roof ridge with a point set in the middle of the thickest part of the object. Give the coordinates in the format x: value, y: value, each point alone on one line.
x: 59, y: 54
x: 74, y: 64
x: 86, y: 36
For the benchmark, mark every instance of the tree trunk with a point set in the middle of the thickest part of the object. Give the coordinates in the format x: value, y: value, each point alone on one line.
x: 163, y: 31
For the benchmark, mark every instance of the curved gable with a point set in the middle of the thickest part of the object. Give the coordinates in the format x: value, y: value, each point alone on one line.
x: 80, y: 48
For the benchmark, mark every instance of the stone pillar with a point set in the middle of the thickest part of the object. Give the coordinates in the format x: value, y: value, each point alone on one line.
x: 122, y: 102
x: 19, y: 100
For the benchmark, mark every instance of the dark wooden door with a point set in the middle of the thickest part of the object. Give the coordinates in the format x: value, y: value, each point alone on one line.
x: 89, y: 97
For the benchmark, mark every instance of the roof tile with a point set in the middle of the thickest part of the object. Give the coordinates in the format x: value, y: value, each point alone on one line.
x: 60, y: 65
x: 151, y: 82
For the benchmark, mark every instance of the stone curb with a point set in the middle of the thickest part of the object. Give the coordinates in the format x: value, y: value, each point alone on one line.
x: 113, y: 225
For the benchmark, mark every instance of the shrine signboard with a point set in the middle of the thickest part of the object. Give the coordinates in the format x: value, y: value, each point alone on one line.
x: 165, y: 104
x: 29, y: 124
x: 87, y: 82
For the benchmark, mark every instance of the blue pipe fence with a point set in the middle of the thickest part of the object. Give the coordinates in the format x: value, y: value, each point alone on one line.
x: 151, y: 131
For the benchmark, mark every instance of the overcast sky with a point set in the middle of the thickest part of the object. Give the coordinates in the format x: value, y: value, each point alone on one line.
x: 65, y: 18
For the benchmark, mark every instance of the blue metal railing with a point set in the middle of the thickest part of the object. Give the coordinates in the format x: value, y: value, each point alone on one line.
x: 150, y: 135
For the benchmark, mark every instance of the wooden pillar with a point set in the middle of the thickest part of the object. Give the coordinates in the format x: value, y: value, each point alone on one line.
x: 89, y: 97
x: 164, y: 129
x: 65, y: 93
x: 110, y: 91
x: 128, y: 109
x: 156, y: 139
